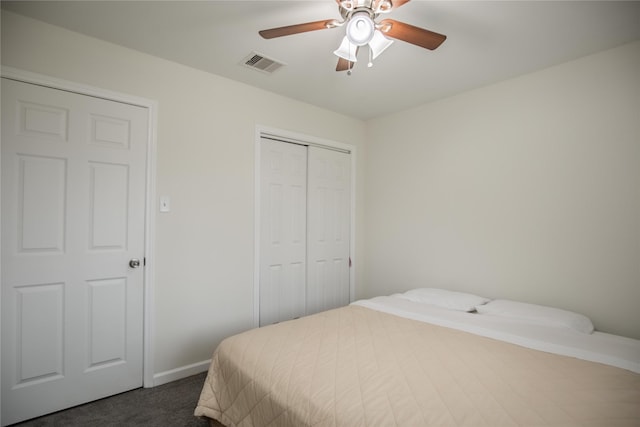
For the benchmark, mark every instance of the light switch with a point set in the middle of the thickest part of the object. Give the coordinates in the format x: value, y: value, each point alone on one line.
x: 165, y: 204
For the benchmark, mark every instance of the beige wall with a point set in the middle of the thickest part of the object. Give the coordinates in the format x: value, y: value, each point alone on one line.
x: 205, y: 161
x: 527, y: 189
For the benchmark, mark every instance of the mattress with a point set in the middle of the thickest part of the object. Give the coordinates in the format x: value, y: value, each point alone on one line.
x: 366, y: 366
x: 601, y: 347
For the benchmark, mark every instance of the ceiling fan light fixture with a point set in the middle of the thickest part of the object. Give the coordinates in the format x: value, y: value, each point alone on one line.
x: 379, y: 43
x: 347, y: 50
x: 360, y: 28
x: 359, y: 18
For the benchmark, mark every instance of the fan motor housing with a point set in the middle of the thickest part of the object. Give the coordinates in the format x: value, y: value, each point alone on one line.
x: 359, y: 6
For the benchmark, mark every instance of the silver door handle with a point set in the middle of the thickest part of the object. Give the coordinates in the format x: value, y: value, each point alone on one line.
x: 134, y: 263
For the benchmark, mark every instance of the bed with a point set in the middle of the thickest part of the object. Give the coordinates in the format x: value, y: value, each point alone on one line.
x: 405, y: 360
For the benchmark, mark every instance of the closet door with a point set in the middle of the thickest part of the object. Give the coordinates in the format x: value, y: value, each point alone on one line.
x: 283, y: 245
x: 328, y: 230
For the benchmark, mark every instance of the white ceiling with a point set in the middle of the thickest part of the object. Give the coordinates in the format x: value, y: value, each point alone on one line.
x: 487, y: 41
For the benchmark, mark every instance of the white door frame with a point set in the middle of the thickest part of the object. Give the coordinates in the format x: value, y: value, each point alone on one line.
x: 298, y: 138
x: 152, y: 107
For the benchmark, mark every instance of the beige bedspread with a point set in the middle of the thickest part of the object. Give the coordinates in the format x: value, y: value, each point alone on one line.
x: 359, y: 367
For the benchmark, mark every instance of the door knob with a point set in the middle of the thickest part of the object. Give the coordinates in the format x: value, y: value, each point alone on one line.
x: 134, y: 263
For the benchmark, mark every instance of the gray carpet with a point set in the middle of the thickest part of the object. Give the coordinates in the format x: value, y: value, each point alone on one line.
x: 170, y: 404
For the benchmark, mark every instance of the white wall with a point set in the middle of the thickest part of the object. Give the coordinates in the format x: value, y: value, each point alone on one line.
x: 205, y: 160
x: 527, y: 189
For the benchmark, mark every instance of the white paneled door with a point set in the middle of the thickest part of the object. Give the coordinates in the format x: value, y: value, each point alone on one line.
x: 329, y: 204
x: 305, y: 205
x: 283, y: 240
x: 73, y: 213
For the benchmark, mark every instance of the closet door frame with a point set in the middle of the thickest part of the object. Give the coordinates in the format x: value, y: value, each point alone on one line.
x: 301, y: 139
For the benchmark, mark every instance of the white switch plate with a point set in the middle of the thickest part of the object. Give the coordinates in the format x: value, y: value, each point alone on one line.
x: 165, y: 204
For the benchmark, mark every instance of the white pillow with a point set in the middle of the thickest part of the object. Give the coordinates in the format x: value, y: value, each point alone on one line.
x: 446, y: 299
x: 537, y: 314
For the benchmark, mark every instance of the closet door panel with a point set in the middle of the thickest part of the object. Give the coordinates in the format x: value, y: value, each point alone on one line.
x: 328, y: 231
x: 283, y: 243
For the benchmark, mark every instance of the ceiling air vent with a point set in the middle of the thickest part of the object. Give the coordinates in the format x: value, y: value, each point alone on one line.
x: 261, y: 63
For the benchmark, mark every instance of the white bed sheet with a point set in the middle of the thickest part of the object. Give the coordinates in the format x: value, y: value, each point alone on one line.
x: 614, y: 350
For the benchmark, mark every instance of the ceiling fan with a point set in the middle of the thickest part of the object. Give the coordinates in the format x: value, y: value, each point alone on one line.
x: 362, y: 29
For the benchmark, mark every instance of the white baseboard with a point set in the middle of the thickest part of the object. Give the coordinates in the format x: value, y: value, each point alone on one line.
x: 181, y: 372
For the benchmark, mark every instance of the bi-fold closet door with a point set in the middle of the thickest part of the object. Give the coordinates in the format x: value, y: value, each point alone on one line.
x: 305, y: 203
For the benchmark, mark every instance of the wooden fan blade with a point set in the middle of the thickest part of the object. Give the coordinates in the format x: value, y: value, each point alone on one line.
x: 344, y: 65
x: 410, y: 34
x: 296, y: 29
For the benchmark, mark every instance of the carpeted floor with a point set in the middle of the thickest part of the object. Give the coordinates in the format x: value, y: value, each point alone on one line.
x: 168, y: 405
